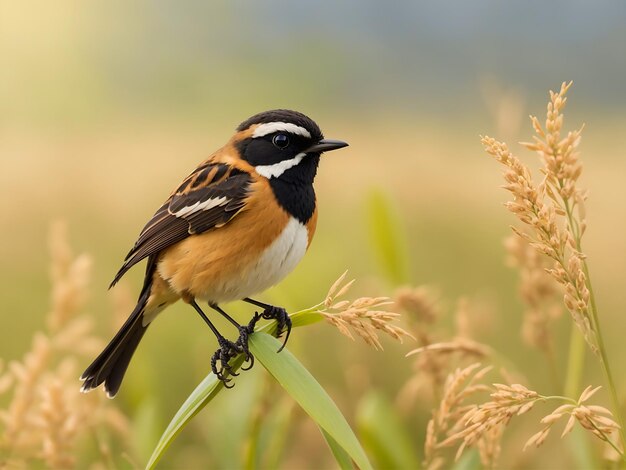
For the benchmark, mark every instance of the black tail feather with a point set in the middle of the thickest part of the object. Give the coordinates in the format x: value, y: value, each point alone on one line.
x: 109, y: 367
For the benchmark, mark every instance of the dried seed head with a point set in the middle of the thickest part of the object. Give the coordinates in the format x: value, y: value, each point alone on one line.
x: 460, y: 386
x: 338, y: 289
x: 361, y: 316
x: 537, y: 439
x: 45, y: 416
x: 553, y: 211
x: 419, y: 302
x: 463, y: 346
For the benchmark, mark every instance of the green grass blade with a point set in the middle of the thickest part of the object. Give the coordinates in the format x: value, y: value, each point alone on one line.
x: 199, y: 398
x: 387, y: 237
x: 341, y: 456
x: 384, y: 435
x: 278, y: 434
x: 470, y: 460
x: 308, y: 393
x: 580, y: 447
x: 146, y: 428
x: 303, y: 319
x: 209, y: 388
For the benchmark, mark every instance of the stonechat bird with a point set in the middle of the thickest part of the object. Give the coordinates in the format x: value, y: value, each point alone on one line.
x: 237, y: 225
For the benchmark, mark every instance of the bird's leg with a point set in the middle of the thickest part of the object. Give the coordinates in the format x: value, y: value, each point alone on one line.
x: 227, y: 349
x: 242, y: 342
x: 271, y: 313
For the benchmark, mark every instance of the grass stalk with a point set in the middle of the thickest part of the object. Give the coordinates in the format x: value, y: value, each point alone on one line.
x: 604, y: 360
x: 575, y: 362
x: 595, y: 321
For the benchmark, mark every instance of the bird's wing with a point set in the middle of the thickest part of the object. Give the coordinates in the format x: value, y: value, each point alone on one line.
x: 208, y: 198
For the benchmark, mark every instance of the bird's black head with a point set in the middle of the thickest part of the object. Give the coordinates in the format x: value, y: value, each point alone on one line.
x: 284, y: 145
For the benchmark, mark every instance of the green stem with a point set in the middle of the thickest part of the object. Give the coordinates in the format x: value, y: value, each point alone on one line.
x: 595, y: 323
x: 575, y: 362
x: 251, y: 448
x: 606, y: 438
x: 608, y: 441
x: 604, y: 359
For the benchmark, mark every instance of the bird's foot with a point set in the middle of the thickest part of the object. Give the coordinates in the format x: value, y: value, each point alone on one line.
x: 223, y: 355
x: 282, y: 318
x: 242, y: 342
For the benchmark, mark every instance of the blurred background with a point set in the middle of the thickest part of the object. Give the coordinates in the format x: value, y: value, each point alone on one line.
x: 105, y: 106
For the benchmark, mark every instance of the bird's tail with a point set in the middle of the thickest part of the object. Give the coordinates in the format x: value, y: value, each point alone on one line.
x: 109, y: 367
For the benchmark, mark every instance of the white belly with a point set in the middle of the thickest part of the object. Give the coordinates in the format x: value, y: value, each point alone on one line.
x: 278, y: 260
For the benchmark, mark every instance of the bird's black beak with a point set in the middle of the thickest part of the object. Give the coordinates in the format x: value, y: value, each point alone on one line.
x: 326, y: 145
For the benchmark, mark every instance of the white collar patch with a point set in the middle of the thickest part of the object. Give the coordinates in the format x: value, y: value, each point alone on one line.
x: 277, y: 169
x: 271, y: 127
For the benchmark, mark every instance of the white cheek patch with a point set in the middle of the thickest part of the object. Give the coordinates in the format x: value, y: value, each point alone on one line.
x: 277, y: 169
x: 271, y: 127
x: 202, y: 206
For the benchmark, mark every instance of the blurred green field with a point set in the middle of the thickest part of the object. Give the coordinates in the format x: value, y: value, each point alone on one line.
x: 445, y: 193
x: 104, y: 107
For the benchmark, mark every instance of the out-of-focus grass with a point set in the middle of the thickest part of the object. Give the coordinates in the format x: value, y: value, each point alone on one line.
x: 107, y: 182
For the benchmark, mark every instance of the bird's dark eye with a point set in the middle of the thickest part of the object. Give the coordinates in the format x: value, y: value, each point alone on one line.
x: 280, y: 141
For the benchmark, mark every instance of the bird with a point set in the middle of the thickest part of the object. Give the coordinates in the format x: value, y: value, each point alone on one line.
x: 237, y: 225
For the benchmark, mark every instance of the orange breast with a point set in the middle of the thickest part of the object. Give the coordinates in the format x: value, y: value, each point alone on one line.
x: 212, y: 265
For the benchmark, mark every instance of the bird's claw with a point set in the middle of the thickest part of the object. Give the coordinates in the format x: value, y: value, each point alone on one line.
x: 283, y: 321
x: 223, y: 355
x: 242, y: 341
x: 229, y: 350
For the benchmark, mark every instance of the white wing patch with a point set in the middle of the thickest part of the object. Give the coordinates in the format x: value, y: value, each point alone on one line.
x: 202, y: 206
x: 271, y: 127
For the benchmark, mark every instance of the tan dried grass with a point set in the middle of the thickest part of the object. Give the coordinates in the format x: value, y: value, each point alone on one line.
x: 435, y: 357
x: 362, y: 316
x: 554, y: 209
x: 549, y: 256
x: 47, y: 416
x: 554, y: 214
x: 541, y: 295
x: 459, y: 387
x: 508, y: 401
